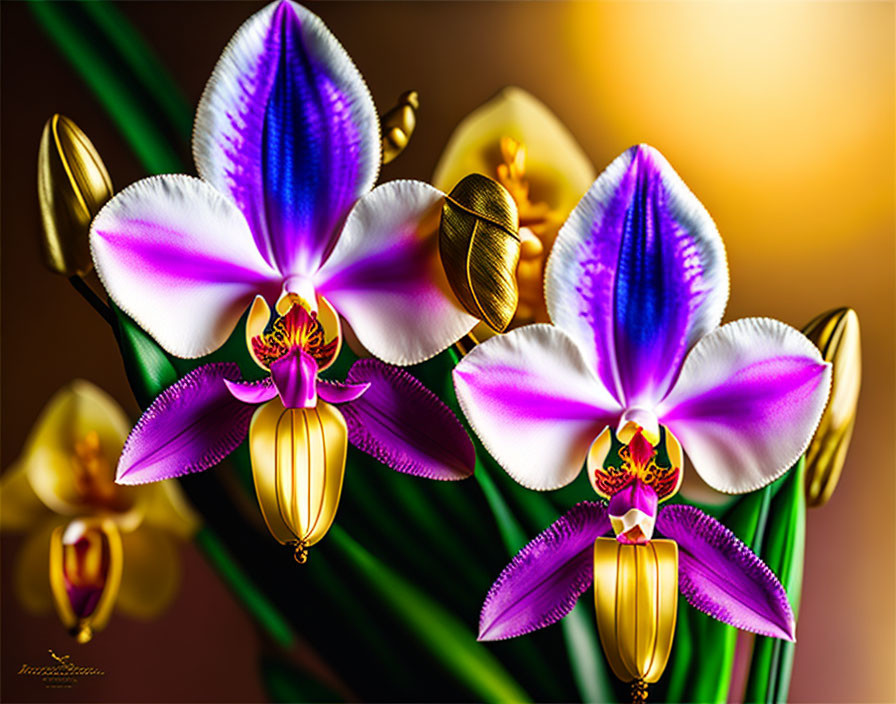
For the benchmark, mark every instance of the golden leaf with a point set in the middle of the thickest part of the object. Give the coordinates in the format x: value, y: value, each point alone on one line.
x: 836, y: 334
x: 398, y: 125
x: 72, y: 185
x: 479, y: 244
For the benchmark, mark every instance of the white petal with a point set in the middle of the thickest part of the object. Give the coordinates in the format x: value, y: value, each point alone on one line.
x: 178, y: 257
x: 535, y: 404
x: 748, y: 400
x: 386, y: 278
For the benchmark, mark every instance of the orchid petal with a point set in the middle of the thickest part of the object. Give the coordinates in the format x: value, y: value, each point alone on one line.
x: 722, y: 577
x: 166, y: 507
x: 637, y: 275
x: 30, y: 575
x: 151, y: 575
x: 287, y: 127
x: 178, y: 257
x: 191, y: 426
x: 385, y: 276
x: 749, y: 397
x: 253, y: 392
x: 535, y: 404
x: 558, y: 170
x: 337, y: 392
x: 405, y: 426
x: 542, y: 583
x: 20, y: 507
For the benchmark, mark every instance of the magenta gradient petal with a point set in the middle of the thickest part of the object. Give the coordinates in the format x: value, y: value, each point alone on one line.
x: 338, y: 392
x: 178, y: 257
x: 546, y: 578
x: 287, y: 127
x: 637, y: 275
x: 534, y: 402
x: 253, y: 392
x: 295, y: 376
x: 405, y: 426
x: 191, y: 426
x: 386, y: 279
x: 720, y: 576
x: 747, y: 402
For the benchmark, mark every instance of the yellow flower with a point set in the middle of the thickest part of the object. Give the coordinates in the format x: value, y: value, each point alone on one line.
x: 91, y: 544
x: 517, y: 141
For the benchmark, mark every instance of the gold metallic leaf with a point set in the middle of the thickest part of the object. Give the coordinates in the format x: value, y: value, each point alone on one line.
x: 72, y: 185
x: 479, y: 244
x: 636, y: 602
x: 298, y: 462
x: 398, y: 125
x: 85, y: 554
x: 836, y: 333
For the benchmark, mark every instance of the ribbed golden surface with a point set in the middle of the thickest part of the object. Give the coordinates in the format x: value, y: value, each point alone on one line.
x: 480, y: 248
x: 398, y: 125
x: 836, y: 333
x: 636, y: 602
x: 72, y: 185
x: 298, y: 462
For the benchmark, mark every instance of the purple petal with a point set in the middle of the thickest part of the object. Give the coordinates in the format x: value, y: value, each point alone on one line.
x: 295, y: 377
x: 386, y: 279
x: 337, y: 392
x: 535, y: 404
x: 287, y: 127
x: 637, y: 275
x: 191, y: 426
x: 748, y: 400
x: 722, y: 577
x: 178, y: 257
x: 253, y: 392
x: 405, y: 426
x: 542, y: 583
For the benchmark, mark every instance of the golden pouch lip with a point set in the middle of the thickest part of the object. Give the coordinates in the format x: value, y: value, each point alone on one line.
x: 636, y: 604
x: 298, y: 464
x: 85, y: 558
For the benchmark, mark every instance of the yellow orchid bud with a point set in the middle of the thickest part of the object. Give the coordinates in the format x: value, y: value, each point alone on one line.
x: 479, y: 244
x: 636, y: 602
x: 85, y: 574
x: 398, y: 125
x: 72, y: 186
x: 298, y: 462
x: 836, y: 333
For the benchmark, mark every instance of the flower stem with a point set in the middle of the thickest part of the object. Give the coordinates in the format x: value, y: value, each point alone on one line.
x: 89, y: 295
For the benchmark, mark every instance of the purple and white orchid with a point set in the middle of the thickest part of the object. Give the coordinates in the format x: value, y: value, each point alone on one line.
x: 636, y: 286
x: 287, y: 146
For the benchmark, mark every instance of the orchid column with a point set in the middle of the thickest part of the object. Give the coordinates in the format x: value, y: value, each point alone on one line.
x: 287, y: 146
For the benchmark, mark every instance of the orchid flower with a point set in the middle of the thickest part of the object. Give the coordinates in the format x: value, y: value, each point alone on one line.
x: 636, y: 286
x: 515, y: 139
x: 287, y: 144
x: 113, y: 547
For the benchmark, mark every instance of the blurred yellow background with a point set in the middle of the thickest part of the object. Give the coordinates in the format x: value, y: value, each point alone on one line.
x: 779, y: 116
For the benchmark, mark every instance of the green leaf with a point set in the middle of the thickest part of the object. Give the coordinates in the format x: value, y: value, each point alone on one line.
x: 586, y: 658
x: 149, y: 368
x: 449, y: 640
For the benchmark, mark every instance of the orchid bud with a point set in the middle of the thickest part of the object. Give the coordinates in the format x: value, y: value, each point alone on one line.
x: 85, y: 573
x: 298, y: 462
x: 72, y: 186
x: 836, y: 333
x: 479, y: 243
x: 636, y: 602
x: 398, y: 125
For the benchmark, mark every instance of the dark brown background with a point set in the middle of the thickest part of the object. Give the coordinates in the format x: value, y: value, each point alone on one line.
x: 779, y: 116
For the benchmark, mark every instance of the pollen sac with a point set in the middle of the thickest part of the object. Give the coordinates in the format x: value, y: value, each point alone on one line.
x: 632, y: 512
x: 72, y: 186
x: 836, y: 334
x: 636, y: 602
x: 85, y: 574
x: 298, y: 463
